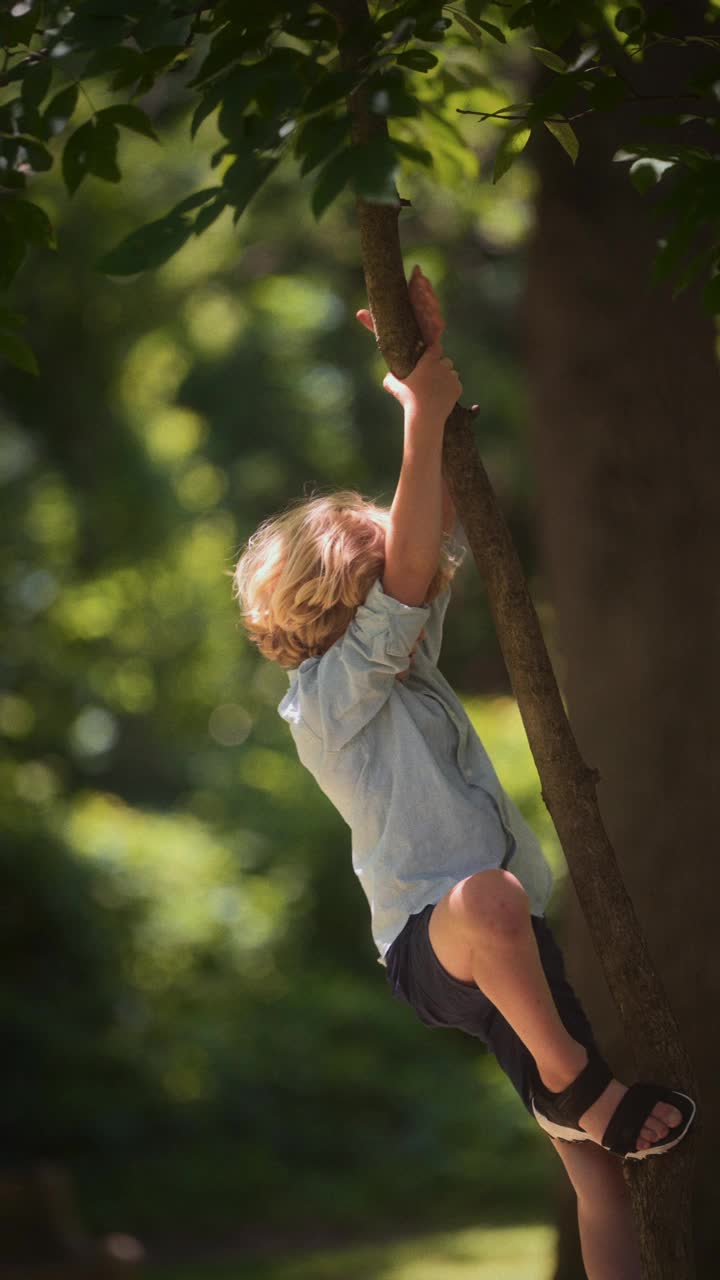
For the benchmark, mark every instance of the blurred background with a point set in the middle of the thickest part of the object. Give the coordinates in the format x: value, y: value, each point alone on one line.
x: 196, y: 1023
x: 203, y: 1066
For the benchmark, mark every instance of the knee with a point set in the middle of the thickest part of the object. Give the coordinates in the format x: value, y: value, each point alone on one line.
x: 494, y: 902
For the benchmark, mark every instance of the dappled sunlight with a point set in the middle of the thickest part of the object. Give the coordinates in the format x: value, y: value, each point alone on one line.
x: 150, y: 375
x: 215, y: 321
x: 200, y: 486
x: 173, y: 432
x: 297, y: 304
x: 517, y: 1252
x: 499, y: 724
x: 224, y: 1042
x: 191, y: 882
x: 51, y: 518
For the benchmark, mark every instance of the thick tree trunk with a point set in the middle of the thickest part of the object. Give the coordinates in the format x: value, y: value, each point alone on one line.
x: 624, y: 394
x: 661, y: 1196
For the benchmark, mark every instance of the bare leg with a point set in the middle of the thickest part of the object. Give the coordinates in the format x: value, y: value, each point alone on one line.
x: 608, y: 1238
x: 481, y: 931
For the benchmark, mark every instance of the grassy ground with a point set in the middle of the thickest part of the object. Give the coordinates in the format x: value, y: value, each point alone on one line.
x: 483, y: 1253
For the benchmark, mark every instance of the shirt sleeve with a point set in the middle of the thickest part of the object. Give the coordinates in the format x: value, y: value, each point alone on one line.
x: 431, y: 642
x: 355, y: 677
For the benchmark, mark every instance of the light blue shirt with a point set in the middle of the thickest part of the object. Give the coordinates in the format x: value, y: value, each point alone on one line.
x: 403, y: 765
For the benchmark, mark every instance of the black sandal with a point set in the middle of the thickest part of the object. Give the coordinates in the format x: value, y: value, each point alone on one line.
x: 558, y: 1113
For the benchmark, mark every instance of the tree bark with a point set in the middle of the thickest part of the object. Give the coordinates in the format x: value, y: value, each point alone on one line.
x: 624, y: 391
x: 660, y: 1187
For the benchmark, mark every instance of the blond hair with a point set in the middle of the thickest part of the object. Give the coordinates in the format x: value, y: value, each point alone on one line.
x: 303, y: 573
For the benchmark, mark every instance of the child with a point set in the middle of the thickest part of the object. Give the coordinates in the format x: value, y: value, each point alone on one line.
x: 350, y: 598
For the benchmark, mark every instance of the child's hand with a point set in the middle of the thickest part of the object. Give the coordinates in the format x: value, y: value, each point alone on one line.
x: 431, y: 390
x: 425, y: 304
x: 433, y: 387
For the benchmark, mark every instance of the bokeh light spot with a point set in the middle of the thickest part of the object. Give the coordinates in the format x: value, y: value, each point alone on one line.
x: 93, y: 732
x: 230, y: 724
x: 17, y: 716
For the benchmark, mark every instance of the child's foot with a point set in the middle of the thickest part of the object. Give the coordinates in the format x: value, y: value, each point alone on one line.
x: 595, y: 1120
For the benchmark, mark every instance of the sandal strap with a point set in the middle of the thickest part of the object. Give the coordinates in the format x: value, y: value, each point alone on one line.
x: 580, y: 1094
x: 633, y: 1109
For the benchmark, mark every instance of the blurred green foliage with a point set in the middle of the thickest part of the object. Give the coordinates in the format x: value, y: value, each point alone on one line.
x: 277, y: 80
x: 488, y: 1253
x: 194, y: 1016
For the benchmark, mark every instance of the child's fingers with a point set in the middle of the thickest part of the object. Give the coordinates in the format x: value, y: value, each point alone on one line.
x: 365, y: 319
x: 394, y: 386
x: 425, y: 305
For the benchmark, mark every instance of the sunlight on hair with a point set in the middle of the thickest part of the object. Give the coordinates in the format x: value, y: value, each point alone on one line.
x: 303, y: 573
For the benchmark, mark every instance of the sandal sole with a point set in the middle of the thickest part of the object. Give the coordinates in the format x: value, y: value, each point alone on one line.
x: 560, y: 1130
x: 663, y: 1146
x: 578, y: 1135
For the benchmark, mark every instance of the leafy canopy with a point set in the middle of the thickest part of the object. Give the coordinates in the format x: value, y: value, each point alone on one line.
x: 275, y: 76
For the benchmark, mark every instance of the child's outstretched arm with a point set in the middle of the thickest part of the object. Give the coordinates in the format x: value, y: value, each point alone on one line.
x: 422, y: 503
x: 412, y: 545
x: 426, y: 306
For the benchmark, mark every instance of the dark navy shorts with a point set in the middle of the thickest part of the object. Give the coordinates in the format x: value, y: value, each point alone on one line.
x: 416, y: 976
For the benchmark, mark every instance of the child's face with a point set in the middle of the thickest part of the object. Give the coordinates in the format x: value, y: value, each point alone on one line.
x: 402, y: 674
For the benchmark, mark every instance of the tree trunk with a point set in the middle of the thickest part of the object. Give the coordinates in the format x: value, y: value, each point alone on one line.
x: 624, y: 395
x: 661, y: 1195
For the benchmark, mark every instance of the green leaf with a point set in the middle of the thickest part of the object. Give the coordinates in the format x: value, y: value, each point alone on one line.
x: 103, y: 152
x: 524, y: 16
x: 11, y: 320
x: 237, y: 92
x: 565, y: 135
x: 699, y: 260
x: 61, y: 107
x: 148, y: 247
x: 374, y: 171
x: 130, y: 116
x: 492, y: 30
x: 311, y: 26
x: 402, y: 28
x: 11, y: 180
x: 244, y: 178
x: 75, y: 159
x: 17, y: 351
x: 512, y: 144
x: 92, y: 149
x: 388, y: 98
x: 36, y: 82
x: 679, y: 241
x: 608, y: 93
x: 228, y: 46
x: 196, y: 199
x: 550, y: 59
x: 434, y: 29
x: 646, y: 172
x: 39, y: 158
x: 558, y: 98
x: 628, y: 18
x: 319, y: 138
x: 417, y: 59
x: 331, y: 180
x: 472, y: 29
x: 330, y: 88
x: 711, y: 294
x: 207, y: 105
x: 12, y: 250
x: 121, y: 58
x: 93, y: 29
x: 419, y: 154
x: 208, y: 214
x: 31, y: 221
x: 15, y: 30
